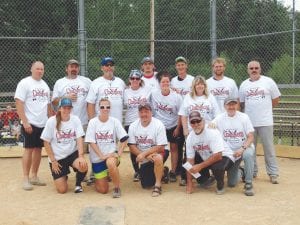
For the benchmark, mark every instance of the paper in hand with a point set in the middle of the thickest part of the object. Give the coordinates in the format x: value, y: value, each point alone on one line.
x: 188, y: 166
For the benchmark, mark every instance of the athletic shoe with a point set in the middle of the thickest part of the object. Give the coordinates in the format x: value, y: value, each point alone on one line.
x: 36, y: 181
x: 273, y: 179
x: 220, y: 192
x: 209, y: 182
x: 172, y: 177
x: 27, y: 186
x: 182, y: 182
x: 116, y: 192
x: 248, y: 189
x: 78, y: 189
x: 136, y: 177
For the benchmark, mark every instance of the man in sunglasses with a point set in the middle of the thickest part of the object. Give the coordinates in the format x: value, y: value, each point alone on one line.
x: 107, y: 86
x: 258, y: 96
x: 214, y: 154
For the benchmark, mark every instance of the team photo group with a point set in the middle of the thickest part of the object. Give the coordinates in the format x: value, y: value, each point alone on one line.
x: 207, y: 127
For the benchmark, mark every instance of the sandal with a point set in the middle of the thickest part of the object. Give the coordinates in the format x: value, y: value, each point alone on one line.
x: 156, y: 191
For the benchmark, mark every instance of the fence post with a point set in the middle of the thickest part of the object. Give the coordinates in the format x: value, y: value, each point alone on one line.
x: 82, y: 39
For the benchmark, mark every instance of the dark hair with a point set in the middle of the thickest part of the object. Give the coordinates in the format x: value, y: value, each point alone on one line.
x: 162, y: 74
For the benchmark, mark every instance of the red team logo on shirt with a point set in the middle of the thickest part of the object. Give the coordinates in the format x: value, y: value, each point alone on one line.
x: 104, y: 137
x: 221, y: 91
x: 65, y: 136
x: 76, y: 89
x: 113, y: 91
x: 39, y: 95
x: 255, y: 94
x: 164, y: 107
x: 134, y: 102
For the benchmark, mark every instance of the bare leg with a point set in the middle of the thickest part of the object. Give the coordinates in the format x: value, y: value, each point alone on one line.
x: 61, y: 185
x: 174, y: 156
x: 26, y: 162
x: 113, y: 171
x: 36, y: 160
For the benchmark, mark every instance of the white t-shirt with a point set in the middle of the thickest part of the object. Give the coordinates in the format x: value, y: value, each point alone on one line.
x: 111, y: 89
x: 182, y: 87
x: 207, y: 107
x: 234, y: 129
x: 166, y: 108
x: 151, y: 82
x: 80, y: 86
x: 64, y: 141
x: 146, y: 137
x: 258, y: 96
x: 105, y: 135
x: 206, y: 144
x: 36, y: 96
x: 222, y: 89
x: 132, y: 99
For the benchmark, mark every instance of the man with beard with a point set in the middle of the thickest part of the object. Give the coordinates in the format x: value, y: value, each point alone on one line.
x: 74, y: 87
x: 220, y: 85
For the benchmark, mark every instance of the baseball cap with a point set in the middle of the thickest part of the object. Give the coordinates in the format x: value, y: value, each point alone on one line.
x: 145, y: 106
x: 180, y: 59
x: 107, y: 60
x: 72, y: 61
x: 230, y: 99
x: 135, y: 73
x: 147, y: 59
x: 195, y: 115
x: 65, y: 102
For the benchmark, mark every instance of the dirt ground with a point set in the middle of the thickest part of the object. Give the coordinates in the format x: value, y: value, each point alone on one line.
x: 272, y: 204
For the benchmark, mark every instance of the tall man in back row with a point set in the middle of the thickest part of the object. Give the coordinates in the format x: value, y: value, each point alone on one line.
x: 258, y: 95
x: 33, y: 106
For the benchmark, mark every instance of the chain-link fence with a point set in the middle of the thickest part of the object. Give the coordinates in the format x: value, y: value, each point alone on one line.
x: 264, y: 30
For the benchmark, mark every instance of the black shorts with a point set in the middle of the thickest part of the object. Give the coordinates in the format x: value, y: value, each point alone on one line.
x: 33, y: 140
x: 147, y: 172
x: 65, y: 163
x: 170, y: 136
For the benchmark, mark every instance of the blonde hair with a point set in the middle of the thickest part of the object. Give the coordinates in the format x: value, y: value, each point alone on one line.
x: 218, y: 60
x: 104, y: 100
x: 199, y: 80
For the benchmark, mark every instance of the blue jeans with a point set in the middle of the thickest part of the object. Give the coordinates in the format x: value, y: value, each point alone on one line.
x: 233, y: 172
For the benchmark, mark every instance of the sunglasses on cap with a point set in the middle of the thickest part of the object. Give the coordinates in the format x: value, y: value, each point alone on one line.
x: 104, y: 107
x: 195, y: 121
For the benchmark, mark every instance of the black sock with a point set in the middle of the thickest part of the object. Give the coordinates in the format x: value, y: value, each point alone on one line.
x: 79, y: 177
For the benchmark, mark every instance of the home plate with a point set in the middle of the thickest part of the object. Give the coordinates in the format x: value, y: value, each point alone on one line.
x: 104, y: 215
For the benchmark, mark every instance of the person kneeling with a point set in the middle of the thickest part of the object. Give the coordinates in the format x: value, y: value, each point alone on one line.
x: 63, y: 142
x: 102, y: 134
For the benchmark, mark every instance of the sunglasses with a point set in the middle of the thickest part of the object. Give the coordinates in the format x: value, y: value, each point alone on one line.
x: 195, y: 121
x: 253, y: 68
x: 104, y: 107
x: 109, y: 65
x: 135, y: 78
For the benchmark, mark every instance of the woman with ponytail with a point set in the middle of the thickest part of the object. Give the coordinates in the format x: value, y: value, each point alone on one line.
x: 63, y: 141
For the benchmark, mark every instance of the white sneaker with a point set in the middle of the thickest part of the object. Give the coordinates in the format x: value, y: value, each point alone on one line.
x: 27, y: 186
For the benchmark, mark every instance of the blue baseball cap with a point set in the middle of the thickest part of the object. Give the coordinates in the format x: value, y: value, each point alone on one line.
x: 65, y: 102
x: 107, y: 60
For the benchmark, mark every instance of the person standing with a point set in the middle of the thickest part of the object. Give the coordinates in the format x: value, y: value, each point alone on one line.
x: 237, y: 131
x: 102, y: 134
x: 74, y: 87
x: 134, y: 95
x: 107, y: 86
x: 182, y: 84
x: 64, y: 145
x: 258, y: 96
x: 33, y: 107
x: 149, y: 74
x: 220, y: 85
x: 166, y: 104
